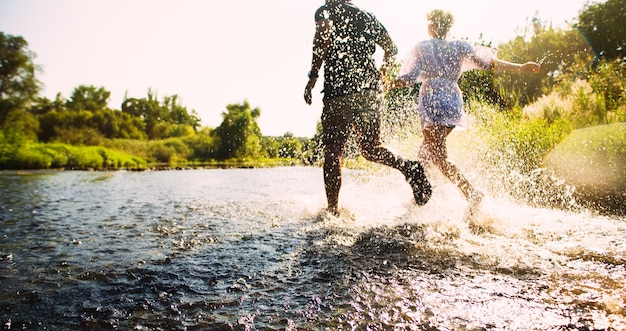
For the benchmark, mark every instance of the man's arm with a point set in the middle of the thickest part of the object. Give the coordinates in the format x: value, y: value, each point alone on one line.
x: 391, y: 51
x: 320, y: 46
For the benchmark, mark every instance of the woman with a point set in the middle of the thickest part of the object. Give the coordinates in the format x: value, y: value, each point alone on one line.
x: 438, y: 64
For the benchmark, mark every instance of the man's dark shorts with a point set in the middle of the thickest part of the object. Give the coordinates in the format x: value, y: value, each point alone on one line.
x: 361, y: 109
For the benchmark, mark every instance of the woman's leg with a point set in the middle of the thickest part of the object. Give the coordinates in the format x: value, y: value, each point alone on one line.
x: 434, y: 146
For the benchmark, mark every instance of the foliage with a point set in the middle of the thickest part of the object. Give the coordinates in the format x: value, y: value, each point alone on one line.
x: 608, y: 78
x: 578, y: 103
x: 19, y: 121
x: 201, y: 145
x: 162, y: 119
x: 46, y: 156
x: 480, y: 85
x: 521, y: 144
x: 169, y: 151
x: 88, y: 98
x: 562, y: 54
x: 287, y: 146
x: 134, y: 147
x: 604, y: 26
x: 88, y: 127
x: 572, y: 91
x: 18, y: 84
x: 239, y: 135
x: 508, y: 150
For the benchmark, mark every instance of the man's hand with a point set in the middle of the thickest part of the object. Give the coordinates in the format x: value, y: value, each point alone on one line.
x: 307, y: 91
x: 386, y: 84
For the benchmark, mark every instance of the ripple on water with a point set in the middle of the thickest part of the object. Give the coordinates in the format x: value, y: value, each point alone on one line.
x: 182, y: 250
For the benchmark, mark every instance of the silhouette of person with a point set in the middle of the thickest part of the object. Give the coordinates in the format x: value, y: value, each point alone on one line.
x: 345, y: 42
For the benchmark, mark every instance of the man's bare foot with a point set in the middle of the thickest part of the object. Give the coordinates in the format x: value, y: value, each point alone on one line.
x: 333, y: 211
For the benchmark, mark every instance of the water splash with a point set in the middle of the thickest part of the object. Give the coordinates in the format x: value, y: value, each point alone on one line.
x: 235, y: 249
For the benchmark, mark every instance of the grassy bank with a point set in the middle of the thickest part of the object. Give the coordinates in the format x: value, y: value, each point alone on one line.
x: 62, y: 156
x: 36, y: 156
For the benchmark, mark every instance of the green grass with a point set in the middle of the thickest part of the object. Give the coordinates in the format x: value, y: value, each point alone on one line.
x: 62, y: 156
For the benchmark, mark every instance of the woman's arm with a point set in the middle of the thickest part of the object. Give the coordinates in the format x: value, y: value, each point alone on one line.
x: 527, y: 68
x: 402, y: 81
x: 409, y: 72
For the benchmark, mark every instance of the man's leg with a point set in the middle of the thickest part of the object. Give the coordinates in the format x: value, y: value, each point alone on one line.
x: 367, y: 122
x: 332, y: 176
x: 335, y: 130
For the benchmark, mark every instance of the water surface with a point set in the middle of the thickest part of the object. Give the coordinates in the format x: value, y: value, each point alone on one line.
x: 251, y: 249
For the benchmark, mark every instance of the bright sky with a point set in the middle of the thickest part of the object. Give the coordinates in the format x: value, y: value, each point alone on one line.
x: 215, y: 53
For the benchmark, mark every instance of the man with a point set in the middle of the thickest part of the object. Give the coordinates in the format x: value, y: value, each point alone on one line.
x: 345, y: 42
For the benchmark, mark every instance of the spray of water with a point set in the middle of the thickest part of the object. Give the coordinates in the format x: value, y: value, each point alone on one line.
x: 529, y: 257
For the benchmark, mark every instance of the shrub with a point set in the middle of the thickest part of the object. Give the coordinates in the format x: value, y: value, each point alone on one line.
x: 85, y: 157
x: 27, y: 158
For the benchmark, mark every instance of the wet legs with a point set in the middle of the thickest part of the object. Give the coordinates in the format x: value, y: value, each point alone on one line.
x: 434, y: 149
x: 332, y: 177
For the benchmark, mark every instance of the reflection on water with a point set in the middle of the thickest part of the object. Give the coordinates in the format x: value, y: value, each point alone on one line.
x: 249, y: 249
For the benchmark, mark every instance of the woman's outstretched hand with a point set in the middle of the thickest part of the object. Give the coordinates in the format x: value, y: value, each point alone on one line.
x: 530, y: 68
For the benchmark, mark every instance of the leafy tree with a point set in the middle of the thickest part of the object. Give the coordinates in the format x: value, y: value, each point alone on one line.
x: 43, y: 105
x: 562, y: 53
x: 604, y: 25
x: 239, y: 135
x: 116, y: 124
x: 201, y: 144
x: 84, y: 119
x: 162, y: 120
x: 149, y: 110
x: 179, y: 114
x: 88, y: 98
x: 609, y: 80
x: 18, y: 85
x: 23, y: 122
x: 287, y: 146
x: 17, y: 131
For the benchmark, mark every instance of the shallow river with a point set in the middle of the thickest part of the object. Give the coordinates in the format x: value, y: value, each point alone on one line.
x: 252, y: 249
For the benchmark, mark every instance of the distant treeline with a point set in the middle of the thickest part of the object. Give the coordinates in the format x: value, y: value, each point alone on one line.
x: 581, y: 84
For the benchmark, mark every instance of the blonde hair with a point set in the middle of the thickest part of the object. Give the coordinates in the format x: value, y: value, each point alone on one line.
x: 441, y: 22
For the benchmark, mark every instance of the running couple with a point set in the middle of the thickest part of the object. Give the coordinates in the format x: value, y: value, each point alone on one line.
x: 345, y: 42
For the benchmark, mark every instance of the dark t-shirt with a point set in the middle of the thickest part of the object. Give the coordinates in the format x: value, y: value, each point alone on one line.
x: 349, y: 64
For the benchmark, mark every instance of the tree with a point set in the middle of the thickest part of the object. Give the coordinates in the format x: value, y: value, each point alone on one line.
x: 18, y: 85
x: 179, y: 114
x: 604, y: 25
x: 287, y: 146
x: 562, y: 53
x: 43, y: 105
x: 162, y: 120
x: 201, y: 144
x: 88, y: 98
x: 239, y: 135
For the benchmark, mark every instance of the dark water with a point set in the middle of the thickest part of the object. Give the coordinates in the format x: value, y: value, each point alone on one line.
x: 250, y: 249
